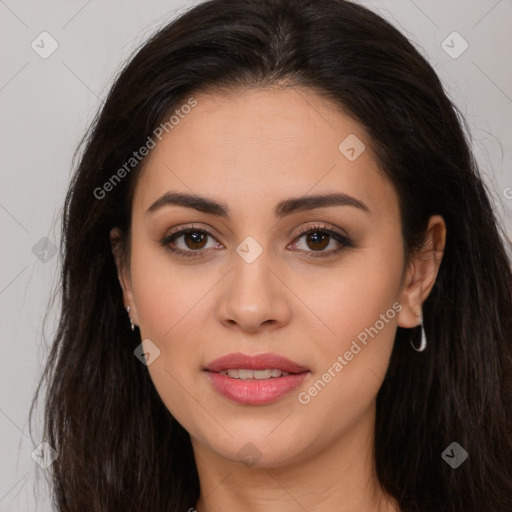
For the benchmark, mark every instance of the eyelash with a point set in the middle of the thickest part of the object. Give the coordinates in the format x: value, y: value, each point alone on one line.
x: 341, y: 239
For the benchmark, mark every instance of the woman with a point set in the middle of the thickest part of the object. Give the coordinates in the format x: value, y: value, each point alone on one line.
x: 284, y: 287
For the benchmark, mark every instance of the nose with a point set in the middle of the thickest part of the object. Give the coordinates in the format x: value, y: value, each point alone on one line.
x: 255, y: 299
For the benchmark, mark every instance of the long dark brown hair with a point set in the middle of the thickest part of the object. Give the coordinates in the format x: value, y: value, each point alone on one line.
x: 119, y: 447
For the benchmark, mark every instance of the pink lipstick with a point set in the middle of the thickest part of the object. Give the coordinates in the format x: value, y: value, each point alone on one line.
x: 255, y: 380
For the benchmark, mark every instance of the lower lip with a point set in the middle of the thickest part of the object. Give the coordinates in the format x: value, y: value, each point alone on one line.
x: 254, y: 391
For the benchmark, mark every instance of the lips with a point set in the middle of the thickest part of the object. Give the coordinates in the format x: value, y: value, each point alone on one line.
x: 258, y: 362
x: 242, y: 378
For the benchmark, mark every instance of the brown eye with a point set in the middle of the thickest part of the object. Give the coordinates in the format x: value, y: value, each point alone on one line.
x: 191, y: 242
x: 195, y: 239
x: 320, y: 242
x: 317, y: 240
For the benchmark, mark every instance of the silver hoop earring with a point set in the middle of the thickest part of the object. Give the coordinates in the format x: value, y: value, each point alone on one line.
x: 423, y: 344
x: 132, y: 327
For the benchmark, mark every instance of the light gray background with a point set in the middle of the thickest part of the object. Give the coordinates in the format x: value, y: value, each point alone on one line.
x: 46, y: 105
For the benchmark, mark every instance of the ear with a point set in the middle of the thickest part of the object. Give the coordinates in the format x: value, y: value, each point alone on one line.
x: 422, y: 273
x: 123, y: 272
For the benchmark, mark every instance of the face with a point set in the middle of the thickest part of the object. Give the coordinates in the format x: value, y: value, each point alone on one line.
x: 267, y: 272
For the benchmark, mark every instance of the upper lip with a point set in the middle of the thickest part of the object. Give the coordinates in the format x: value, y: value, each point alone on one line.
x: 257, y: 362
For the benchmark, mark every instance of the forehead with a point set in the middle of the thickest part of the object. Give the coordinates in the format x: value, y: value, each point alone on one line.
x: 259, y: 145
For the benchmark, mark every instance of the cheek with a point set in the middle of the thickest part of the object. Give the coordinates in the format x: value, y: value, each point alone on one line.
x: 352, y: 298
x: 360, y: 306
x: 173, y: 306
x: 164, y: 294
x: 168, y: 305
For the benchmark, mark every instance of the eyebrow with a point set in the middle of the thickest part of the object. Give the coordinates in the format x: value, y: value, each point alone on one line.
x: 282, y: 209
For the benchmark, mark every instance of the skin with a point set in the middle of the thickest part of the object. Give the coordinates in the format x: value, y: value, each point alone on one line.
x: 249, y: 151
